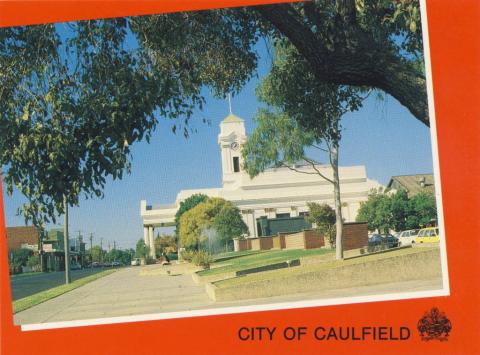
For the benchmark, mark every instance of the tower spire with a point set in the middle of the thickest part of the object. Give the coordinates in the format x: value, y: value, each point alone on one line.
x: 230, y: 103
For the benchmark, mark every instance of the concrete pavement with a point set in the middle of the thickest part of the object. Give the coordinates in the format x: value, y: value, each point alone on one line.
x: 149, y: 289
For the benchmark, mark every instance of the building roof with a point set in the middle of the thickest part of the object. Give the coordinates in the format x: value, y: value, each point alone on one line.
x: 413, y: 184
x: 16, y: 236
x: 231, y: 118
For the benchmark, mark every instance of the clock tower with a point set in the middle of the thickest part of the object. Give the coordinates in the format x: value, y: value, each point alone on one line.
x: 232, y: 136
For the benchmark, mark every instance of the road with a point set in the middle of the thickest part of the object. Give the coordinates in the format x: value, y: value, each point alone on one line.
x: 149, y: 289
x: 26, y: 285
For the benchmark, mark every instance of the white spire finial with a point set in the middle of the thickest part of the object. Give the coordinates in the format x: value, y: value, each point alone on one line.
x: 230, y: 103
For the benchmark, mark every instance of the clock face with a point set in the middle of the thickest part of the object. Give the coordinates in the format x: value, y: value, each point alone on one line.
x: 234, y: 145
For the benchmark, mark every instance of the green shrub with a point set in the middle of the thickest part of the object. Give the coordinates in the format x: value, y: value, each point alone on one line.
x: 187, y: 255
x: 34, y: 262
x: 172, y: 256
x: 202, y: 258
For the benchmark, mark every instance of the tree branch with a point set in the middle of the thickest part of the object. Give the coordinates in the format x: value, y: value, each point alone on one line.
x: 362, y: 63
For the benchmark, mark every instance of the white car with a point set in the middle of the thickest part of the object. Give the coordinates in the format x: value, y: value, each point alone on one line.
x: 135, y: 262
x: 407, y: 237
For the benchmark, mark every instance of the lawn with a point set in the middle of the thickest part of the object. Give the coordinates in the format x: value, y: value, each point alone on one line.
x: 269, y: 275
x: 40, y: 297
x: 252, y: 260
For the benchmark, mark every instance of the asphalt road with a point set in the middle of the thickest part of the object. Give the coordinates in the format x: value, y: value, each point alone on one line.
x: 26, y: 285
x: 149, y: 289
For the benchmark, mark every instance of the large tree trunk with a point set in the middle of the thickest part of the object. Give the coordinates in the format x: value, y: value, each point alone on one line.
x: 359, y: 61
x: 338, y: 204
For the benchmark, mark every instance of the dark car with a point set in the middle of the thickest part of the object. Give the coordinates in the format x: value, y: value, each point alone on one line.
x: 378, y: 242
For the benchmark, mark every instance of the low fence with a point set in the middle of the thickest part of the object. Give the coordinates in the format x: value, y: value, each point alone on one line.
x: 355, y: 236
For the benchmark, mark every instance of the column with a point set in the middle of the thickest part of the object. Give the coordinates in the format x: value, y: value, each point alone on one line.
x: 151, y: 243
x: 145, y: 235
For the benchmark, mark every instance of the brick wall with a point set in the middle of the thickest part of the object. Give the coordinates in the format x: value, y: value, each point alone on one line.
x: 355, y: 235
x: 313, y: 239
x: 254, y: 243
x: 266, y: 243
x: 241, y: 244
x: 16, y: 236
x: 294, y: 241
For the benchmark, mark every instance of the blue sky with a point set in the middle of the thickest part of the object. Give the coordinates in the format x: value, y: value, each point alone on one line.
x: 383, y: 136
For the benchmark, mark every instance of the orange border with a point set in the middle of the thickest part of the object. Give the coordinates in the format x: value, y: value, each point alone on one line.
x: 455, y: 56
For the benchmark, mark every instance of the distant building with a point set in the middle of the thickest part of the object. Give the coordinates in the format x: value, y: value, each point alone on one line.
x: 53, y: 248
x: 412, y: 184
x: 22, y: 237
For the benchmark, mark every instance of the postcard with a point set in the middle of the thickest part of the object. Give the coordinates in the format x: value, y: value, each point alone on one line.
x: 251, y: 176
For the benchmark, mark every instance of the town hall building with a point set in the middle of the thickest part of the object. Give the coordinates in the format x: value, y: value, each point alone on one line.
x: 275, y: 193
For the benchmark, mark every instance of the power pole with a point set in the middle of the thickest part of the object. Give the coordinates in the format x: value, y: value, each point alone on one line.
x: 101, y: 250
x: 66, y: 246
x: 91, y: 246
x: 114, y: 245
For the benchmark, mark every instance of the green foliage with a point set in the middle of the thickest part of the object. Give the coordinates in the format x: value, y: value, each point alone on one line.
x: 422, y: 209
x: 228, y: 223
x: 165, y: 244
x: 142, y: 251
x: 72, y: 104
x: 276, y: 141
x: 215, y: 215
x: 123, y: 256
x: 186, y: 205
x: 21, y: 257
x: 397, y: 211
x: 187, y: 255
x: 324, y: 218
x: 74, y: 98
x: 202, y: 258
x: 33, y: 262
x: 97, y: 254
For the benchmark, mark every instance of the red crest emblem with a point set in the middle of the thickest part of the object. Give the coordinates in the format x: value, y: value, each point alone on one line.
x: 434, y: 325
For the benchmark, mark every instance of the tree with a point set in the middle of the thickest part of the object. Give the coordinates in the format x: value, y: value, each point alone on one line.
x: 186, y: 205
x: 60, y: 89
x: 165, y: 244
x: 422, y: 210
x: 384, y: 211
x: 97, y: 254
x: 199, y: 224
x: 324, y: 218
x: 376, y: 44
x: 142, y: 250
x: 307, y: 115
x: 228, y: 224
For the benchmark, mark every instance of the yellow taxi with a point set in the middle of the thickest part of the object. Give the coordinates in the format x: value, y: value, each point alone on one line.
x: 428, y: 235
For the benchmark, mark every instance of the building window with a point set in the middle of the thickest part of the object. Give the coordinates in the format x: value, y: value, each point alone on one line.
x: 283, y: 215
x: 236, y: 164
x: 303, y: 214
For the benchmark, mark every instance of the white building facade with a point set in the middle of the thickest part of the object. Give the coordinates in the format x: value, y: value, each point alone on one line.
x: 277, y: 192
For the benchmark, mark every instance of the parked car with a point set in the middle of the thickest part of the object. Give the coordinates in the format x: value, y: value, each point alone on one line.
x: 407, y: 237
x: 135, y: 262
x: 390, y: 240
x: 378, y: 242
x: 96, y: 264
x: 428, y: 235
x: 117, y: 263
x: 75, y: 266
